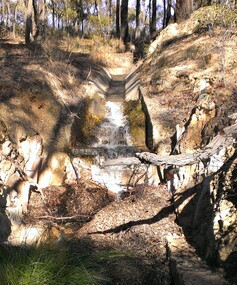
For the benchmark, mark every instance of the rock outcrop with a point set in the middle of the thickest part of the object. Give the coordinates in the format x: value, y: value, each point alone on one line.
x: 39, y: 103
x: 188, y: 86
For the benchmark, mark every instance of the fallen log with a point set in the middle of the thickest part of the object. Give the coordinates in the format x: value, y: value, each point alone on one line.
x: 225, y: 139
x: 214, y: 147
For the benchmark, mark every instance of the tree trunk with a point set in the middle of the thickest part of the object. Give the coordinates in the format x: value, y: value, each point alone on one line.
x: 82, y: 28
x: 28, y: 26
x: 80, y: 13
x: 96, y: 12
x: 153, y: 20
x: 138, y: 30
x: 143, y: 16
x: 3, y: 12
x: 53, y: 14
x: 118, y: 18
x: 138, y: 41
x: 219, y: 142
x: 124, y: 21
x: 58, y: 21
x: 168, y: 13
x: 35, y: 20
x: 149, y: 12
x: 8, y: 16
x: 40, y: 21
x: 42, y: 17
x: 109, y: 10
x: 66, y: 13
x: 183, y: 9
x: 14, y: 22
x: 164, y: 14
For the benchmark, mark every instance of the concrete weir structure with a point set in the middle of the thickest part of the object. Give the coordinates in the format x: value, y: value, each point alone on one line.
x: 194, y: 168
x: 109, y: 94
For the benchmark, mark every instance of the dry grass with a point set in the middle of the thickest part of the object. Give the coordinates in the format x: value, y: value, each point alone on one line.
x: 100, y: 52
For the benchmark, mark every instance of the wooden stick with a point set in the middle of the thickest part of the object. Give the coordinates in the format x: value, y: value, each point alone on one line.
x: 62, y: 218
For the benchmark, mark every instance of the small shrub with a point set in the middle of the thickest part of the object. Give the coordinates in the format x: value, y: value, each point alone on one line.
x: 216, y: 16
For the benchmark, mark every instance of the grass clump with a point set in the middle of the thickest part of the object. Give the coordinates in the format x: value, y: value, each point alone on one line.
x: 48, y: 265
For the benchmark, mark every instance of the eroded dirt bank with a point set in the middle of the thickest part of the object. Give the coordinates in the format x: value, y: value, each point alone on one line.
x: 188, y: 84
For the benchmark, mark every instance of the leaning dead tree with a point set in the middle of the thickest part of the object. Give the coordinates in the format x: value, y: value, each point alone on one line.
x: 226, y: 139
x: 219, y: 142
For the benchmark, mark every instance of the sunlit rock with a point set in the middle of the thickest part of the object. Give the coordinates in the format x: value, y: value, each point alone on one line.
x: 27, y: 235
x: 53, y: 172
x: 31, y: 149
x: 7, y: 148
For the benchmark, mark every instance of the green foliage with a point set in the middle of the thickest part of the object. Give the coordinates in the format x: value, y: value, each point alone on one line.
x: 67, y: 263
x: 48, y: 265
x: 100, y: 26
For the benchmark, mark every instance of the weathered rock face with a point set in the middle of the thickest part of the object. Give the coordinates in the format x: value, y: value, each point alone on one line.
x: 137, y: 122
x: 183, y: 68
x: 188, y: 88
x: 191, y: 136
x: 204, y: 198
x: 38, y: 105
x: 23, y: 170
x: 207, y: 213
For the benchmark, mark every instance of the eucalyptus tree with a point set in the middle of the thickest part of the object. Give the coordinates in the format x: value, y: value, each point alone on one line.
x: 117, y: 18
x: 8, y: 9
x: 153, y: 20
x: 138, y: 24
x: 35, y: 23
x: 40, y: 19
x: 167, y: 5
x: 140, y: 29
x: 28, y: 23
x: 108, y: 5
x: 15, y: 11
x: 124, y: 21
x: 183, y: 9
x: 3, y: 16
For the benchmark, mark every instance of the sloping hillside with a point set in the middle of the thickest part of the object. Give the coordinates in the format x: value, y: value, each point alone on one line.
x: 187, y: 63
x: 189, y: 88
x: 166, y: 234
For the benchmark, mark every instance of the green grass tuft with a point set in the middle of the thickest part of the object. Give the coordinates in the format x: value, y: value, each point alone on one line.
x: 48, y: 265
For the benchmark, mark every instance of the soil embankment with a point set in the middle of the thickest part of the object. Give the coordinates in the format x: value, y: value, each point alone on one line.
x: 188, y: 89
